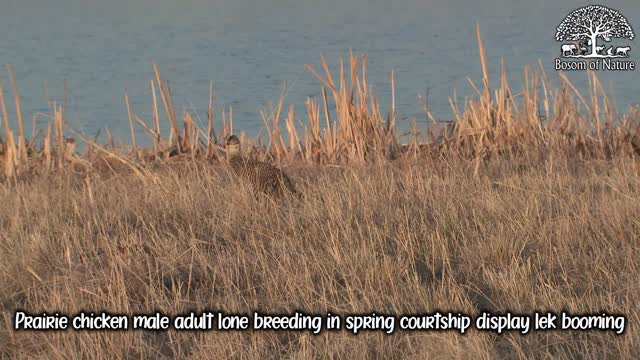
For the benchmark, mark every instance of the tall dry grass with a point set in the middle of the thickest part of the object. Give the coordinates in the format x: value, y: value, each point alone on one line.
x: 413, y: 237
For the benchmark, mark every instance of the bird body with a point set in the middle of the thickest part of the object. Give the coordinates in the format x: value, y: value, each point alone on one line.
x: 262, y: 176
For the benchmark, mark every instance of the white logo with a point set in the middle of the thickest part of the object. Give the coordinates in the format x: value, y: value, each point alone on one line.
x: 587, y: 33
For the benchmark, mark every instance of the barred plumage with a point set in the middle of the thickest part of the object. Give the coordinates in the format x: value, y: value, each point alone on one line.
x: 262, y: 176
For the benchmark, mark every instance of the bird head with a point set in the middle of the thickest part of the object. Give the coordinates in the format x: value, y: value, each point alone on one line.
x: 233, y: 145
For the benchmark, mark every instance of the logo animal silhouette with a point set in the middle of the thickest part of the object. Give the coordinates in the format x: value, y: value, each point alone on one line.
x: 569, y: 48
x: 624, y: 51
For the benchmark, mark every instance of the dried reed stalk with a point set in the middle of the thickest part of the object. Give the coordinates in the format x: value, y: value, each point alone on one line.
x: 211, y: 134
x: 59, y: 125
x: 16, y: 95
x: 131, y: 128
x: 165, y: 94
x: 156, y: 119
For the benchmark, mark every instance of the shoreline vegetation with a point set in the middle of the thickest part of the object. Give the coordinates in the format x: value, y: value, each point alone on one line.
x: 528, y: 202
x: 536, y: 121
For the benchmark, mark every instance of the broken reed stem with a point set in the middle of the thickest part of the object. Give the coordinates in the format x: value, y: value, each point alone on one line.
x: 142, y: 123
x: 58, y: 121
x: 169, y: 96
x: 16, y: 95
x: 393, y: 100
x: 211, y: 134
x: 186, y: 134
x: 156, y: 118
x: 47, y: 149
x: 10, y: 157
x: 225, y: 130
x: 131, y: 128
x: 166, y: 101
x: 294, y: 140
x: 231, y: 119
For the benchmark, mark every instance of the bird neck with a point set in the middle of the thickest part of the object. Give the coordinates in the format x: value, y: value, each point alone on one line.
x: 234, y: 157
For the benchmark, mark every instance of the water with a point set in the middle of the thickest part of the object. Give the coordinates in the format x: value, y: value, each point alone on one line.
x: 249, y: 47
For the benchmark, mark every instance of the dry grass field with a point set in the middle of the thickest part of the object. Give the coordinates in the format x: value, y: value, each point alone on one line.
x: 529, y: 202
x: 399, y: 238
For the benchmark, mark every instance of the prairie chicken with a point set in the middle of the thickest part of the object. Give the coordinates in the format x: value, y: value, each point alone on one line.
x: 262, y: 176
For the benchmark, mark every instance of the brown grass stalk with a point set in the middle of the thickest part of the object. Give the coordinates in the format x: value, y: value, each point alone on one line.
x: 168, y: 106
x: 131, y: 128
x: 211, y: 132
x: 22, y: 148
x: 156, y: 118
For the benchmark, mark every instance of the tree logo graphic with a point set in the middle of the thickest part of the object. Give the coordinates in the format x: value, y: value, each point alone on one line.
x: 588, y: 31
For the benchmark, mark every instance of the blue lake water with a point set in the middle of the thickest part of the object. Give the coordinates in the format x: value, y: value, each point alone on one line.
x: 249, y: 47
